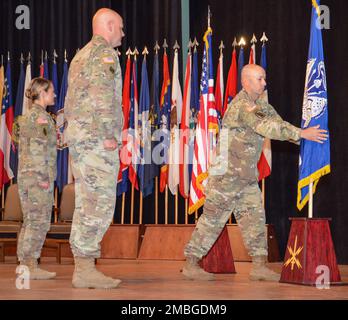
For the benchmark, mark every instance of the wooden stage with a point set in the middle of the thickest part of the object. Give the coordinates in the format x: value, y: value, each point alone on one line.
x: 160, y: 280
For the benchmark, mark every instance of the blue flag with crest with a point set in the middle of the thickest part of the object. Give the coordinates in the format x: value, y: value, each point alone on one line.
x: 314, y: 157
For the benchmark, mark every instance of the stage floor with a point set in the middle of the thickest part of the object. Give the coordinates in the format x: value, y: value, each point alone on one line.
x: 160, y: 280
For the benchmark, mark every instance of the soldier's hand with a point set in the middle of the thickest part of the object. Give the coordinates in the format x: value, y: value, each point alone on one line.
x: 110, y: 144
x: 44, y: 185
x: 314, y: 134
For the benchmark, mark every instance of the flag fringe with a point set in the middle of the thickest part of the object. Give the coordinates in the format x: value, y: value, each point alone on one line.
x: 306, y: 181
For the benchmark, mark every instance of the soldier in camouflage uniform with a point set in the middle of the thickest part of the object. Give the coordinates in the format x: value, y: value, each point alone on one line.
x: 249, y: 119
x: 93, y: 112
x: 35, y: 133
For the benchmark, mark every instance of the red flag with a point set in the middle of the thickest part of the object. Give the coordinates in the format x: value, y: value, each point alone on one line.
x: 252, y: 59
x: 231, y: 86
x: 165, y: 106
x: 133, y: 138
x: 185, y: 133
x: 125, y: 156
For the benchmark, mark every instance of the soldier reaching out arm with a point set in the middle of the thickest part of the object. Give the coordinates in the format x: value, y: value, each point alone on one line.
x: 249, y: 120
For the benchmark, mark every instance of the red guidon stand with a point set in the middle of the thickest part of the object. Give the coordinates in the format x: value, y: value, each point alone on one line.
x: 220, y: 259
x: 310, y: 257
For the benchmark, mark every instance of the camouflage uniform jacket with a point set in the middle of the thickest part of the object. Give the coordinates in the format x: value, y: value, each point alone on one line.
x: 93, y: 106
x: 249, y: 123
x: 37, y: 140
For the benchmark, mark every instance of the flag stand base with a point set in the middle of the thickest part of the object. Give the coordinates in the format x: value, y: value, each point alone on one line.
x: 220, y: 259
x: 310, y: 257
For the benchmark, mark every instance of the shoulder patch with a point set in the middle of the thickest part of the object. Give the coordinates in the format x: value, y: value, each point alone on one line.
x: 108, y: 59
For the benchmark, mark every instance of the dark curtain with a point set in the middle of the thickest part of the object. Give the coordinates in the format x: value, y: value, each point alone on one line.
x: 287, y: 25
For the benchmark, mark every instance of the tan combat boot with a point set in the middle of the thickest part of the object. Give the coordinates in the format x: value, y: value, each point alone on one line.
x: 35, y: 272
x: 87, y: 276
x: 260, y: 272
x: 193, y: 271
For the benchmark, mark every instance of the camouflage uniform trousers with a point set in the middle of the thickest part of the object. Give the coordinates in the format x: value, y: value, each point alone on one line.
x: 95, y: 171
x: 245, y: 201
x: 36, y: 206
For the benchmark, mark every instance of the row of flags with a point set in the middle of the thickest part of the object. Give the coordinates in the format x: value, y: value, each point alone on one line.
x: 167, y: 110
x: 9, y: 111
x: 185, y: 155
x: 182, y: 165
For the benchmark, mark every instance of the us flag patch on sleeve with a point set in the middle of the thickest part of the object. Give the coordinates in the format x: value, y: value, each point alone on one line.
x: 108, y: 59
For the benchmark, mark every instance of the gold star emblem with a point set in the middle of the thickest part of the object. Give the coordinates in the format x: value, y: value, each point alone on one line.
x: 294, y: 254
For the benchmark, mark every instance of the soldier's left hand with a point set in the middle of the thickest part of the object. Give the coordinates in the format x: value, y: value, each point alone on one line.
x: 44, y: 185
x: 110, y: 144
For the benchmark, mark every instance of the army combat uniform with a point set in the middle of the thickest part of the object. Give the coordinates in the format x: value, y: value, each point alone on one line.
x: 93, y: 112
x: 37, y: 155
x: 237, y: 190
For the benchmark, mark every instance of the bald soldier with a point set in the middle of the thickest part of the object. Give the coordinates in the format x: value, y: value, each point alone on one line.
x: 249, y: 120
x: 94, y: 122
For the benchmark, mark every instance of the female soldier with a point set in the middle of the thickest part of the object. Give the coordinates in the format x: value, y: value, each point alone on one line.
x: 36, y: 174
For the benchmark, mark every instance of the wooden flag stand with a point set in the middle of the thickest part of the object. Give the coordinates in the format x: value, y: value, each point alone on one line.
x: 220, y: 259
x: 310, y: 257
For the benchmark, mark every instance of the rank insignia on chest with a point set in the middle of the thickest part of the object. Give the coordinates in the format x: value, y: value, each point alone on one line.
x: 45, y: 131
x: 112, y: 70
x: 260, y: 114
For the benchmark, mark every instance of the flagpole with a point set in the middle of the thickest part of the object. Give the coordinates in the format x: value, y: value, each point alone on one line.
x: 166, y: 205
x: 3, y: 197
x: 310, y: 202
x: 55, y: 204
x: 123, y: 205
x: 176, y: 205
x: 141, y: 208
x: 186, y: 211
x: 156, y: 200
x: 132, y: 206
x: 263, y: 192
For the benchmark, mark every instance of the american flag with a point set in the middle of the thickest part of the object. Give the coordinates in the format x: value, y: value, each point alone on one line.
x: 207, y: 121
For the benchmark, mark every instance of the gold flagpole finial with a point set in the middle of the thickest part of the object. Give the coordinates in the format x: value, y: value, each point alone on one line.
x: 55, y: 56
x: 156, y: 47
x: 145, y: 52
x: 195, y: 44
x: 165, y: 45
x: 189, y: 46
x: 241, y: 42
x: 264, y: 38
x: 65, y: 56
x: 135, y: 53
x: 129, y: 52
x: 22, y: 58
x: 176, y: 45
x: 253, y: 40
x: 234, y: 43
x: 209, y: 16
x: 221, y: 47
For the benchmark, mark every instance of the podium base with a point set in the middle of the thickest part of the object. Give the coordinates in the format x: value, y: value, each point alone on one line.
x: 310, y: 257
x: 220, y: 259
